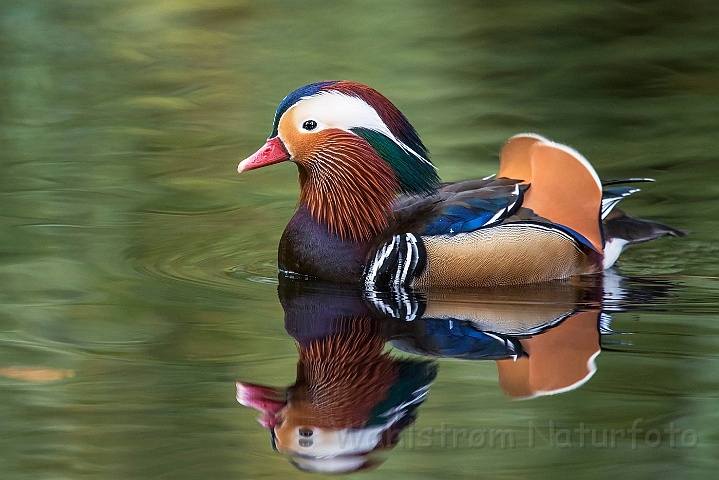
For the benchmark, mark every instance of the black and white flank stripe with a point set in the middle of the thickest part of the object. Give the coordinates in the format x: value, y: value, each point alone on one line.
x: 398, y: 303
x: 396, y: 263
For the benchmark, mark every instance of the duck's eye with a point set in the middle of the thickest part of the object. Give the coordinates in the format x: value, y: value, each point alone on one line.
x: 309, y: 125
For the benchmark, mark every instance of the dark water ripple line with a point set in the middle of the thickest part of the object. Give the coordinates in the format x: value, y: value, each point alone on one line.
x: 682, y: 294
x: 43, y: 345
x: 189, y: 213
x: 199, y: 269
x: 137, y: 352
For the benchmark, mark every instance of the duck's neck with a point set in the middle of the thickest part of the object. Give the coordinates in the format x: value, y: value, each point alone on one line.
x: 340, y: 378
x: 348, y: 187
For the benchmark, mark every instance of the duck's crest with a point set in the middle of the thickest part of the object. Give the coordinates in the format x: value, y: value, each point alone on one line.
x: 405, y: 153
x: 390, y: 115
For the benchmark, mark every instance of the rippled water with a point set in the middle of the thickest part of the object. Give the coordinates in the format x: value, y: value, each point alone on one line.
x: 137, y: 269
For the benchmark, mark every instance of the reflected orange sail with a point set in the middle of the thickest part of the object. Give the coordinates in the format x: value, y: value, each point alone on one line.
x: 558, y: 360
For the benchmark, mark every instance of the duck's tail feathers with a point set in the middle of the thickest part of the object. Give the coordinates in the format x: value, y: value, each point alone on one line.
x: 631, y: 229
x: 612, y: 196
x: 621, y: 181
x: 622, y: 230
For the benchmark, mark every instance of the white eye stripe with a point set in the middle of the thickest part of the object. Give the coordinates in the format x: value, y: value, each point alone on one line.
x: 337, y: 110
x: 332, y: 109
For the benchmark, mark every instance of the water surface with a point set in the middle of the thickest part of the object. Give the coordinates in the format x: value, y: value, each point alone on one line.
x: 137, y: 269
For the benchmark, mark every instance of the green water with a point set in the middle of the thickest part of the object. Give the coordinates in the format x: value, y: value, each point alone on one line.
x: 137, y: 268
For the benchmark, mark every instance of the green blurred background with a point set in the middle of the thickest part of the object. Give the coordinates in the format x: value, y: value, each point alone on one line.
x: 138, y: 268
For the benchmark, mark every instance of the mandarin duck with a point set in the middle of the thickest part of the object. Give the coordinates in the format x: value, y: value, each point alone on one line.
x: 372, y: 210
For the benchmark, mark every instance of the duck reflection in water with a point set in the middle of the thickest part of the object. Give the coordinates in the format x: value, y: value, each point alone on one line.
x: 352, y: 397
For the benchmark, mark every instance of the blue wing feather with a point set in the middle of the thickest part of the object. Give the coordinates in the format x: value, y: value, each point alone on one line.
x: 469, y: 214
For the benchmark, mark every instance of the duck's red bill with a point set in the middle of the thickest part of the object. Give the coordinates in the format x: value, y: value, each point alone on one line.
x: 268, y: 400
x: 272, y: 152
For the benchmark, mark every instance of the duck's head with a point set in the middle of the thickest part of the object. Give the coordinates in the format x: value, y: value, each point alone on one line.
x: 351, y: 399
x: 354, y: 150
